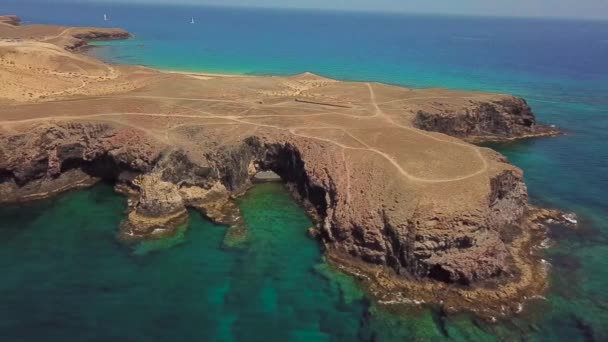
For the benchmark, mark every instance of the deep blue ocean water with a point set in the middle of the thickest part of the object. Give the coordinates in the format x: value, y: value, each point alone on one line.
x: 559, y: 66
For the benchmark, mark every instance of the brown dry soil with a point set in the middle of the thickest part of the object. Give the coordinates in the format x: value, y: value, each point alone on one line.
x: 421, y: 215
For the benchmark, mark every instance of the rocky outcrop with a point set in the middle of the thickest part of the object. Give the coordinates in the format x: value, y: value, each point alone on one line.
x: 70, y: 38
x: 84, y: 35
x: 12, y: 20
x: 162, y: 182
x: 411, y: 240
x: 36, y: 163
x: 432, y: 244
x: 508, y: 118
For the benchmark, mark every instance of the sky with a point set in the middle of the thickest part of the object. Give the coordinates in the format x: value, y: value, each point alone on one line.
x: 588, y: 9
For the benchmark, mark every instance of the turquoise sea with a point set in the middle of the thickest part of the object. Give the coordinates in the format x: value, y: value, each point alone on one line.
x: 64, y: 276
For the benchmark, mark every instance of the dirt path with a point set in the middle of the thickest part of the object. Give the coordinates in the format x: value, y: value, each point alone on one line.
x: 422, y: 133
x: 240, y: 119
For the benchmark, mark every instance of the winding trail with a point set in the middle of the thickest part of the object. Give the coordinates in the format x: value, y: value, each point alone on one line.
x: 241, y: 119
x: 434, y: 137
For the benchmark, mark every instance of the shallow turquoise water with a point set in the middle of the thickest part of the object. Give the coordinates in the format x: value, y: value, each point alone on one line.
x: 560, y: 67
x: 66, y: 278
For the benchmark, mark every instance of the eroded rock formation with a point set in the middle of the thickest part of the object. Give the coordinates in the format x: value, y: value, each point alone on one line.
x: 162, y: 181
x: 507, y: 118
x: 416, y: 210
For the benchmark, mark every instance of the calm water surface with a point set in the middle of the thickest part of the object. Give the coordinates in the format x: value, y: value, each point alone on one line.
x: 68, y: 276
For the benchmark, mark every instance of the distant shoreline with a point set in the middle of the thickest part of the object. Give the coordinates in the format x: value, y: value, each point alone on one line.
x: 347, y: 11
x: 91, y: 47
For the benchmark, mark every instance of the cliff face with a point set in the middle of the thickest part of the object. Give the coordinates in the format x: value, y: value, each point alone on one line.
x: 430, y: 243
x: 52, y: 157
x: 163, y: 181
x: 507, y: 118
x: 84, y: 35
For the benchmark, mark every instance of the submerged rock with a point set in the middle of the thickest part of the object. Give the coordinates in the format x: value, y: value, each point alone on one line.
x: 570, y: 218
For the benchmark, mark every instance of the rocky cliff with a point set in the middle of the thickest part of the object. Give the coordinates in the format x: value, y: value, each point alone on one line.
x: 507, y: 118
x: 163, y: 181
x: 82, y: 36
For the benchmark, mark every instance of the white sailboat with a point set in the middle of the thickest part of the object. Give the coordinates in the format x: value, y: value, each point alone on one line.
x: 105, y: 17
x: 192, y: 20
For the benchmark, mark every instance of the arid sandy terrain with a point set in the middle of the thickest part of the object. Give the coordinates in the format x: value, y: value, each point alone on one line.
x: 396, y: 190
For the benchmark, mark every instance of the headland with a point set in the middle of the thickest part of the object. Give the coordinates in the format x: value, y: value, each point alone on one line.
x: 400, y: 197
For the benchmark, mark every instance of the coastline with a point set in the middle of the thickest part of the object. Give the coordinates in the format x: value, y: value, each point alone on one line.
x: 310, y: 184
x: 201, y: 74
x: 548, y: 130
x: 89, y: 50
x: 493, y: 302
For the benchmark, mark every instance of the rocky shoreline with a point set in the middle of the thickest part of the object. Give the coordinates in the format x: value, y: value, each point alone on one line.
x: 160, y: 187
x: 497, y: 121
x: 491, y: 300
x: 85, y: 36
x: 419, y: 216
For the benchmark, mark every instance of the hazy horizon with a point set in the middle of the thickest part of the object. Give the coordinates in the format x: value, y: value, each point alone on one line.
x: 581, y: 9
